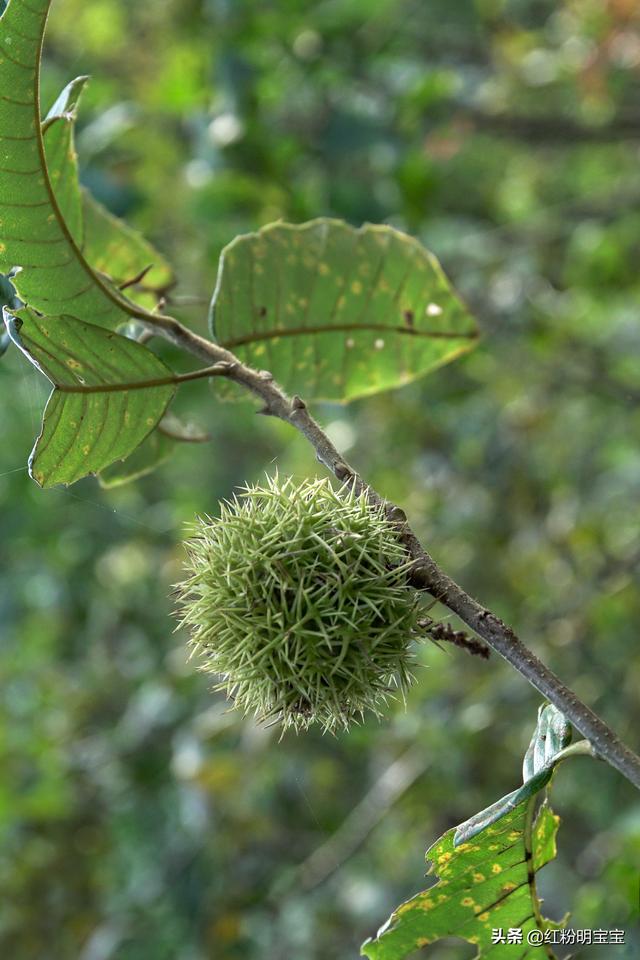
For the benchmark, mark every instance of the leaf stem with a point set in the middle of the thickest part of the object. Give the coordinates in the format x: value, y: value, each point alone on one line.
x: 217, y: 370
x: 425, y: 574
x: 529, y: 825
x: 582, y: 748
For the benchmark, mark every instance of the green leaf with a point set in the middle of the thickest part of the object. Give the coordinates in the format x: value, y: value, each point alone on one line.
x: 62, y: 160
x: 98, y: 411
x: 482, y: 886
x: 107, y: 243
x: 115, y: 249
x: 550, y: 738
x: 157, y: 448
x: 151, y: 453
x: 51, y: 231
x: 54, y: 277
x: 487, y: 867
x: 336, y: 312
x: 7, y: 299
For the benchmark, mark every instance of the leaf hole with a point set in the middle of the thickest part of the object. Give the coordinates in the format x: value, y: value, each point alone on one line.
x: 378, y: 344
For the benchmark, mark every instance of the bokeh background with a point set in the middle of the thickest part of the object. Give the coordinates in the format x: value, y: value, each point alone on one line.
x: 140, y: 820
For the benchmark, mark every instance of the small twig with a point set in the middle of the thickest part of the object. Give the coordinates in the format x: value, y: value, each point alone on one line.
x: 444, y: 632
x: 425, y: 574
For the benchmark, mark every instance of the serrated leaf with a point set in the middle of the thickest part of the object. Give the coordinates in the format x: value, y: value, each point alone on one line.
x: 336, y: 312
x: 54, y: 277
x: 107, y: 243
x: 483, y: 886
x: 98, y: 411
x: 62, y: 160
x: 115, y: 249
x: 487, y: 867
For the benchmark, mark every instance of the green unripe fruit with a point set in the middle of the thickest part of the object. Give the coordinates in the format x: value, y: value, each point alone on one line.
x: 297, y: 597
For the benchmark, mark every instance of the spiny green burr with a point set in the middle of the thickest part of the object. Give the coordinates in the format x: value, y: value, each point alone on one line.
x: 296, y: 597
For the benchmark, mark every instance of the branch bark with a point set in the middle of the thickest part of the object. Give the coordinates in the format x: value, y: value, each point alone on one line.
x: 425, y: 574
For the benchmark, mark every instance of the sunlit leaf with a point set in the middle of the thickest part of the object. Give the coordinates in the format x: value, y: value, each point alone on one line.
x: 107, y: 243
x: 115, y: 249
x: 91, y: 418
x: 54, y: 277
x: 62, y: 160
x: 336, y: 312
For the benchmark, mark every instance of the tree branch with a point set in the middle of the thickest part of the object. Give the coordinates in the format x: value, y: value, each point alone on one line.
x: 553, y: 130
x: 425, y: 573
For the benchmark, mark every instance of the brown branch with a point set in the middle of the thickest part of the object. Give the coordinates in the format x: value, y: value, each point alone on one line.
x: 425, y: 573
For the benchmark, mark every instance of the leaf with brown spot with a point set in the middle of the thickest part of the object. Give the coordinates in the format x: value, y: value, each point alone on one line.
x: 336, y: 312
x: 487, y: 869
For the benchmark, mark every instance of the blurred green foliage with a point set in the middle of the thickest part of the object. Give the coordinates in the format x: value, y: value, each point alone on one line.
x: 138, y: 818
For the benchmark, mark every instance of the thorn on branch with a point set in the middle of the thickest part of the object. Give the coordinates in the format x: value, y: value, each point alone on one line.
x: 297, y: 403
x: 444, y: 633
